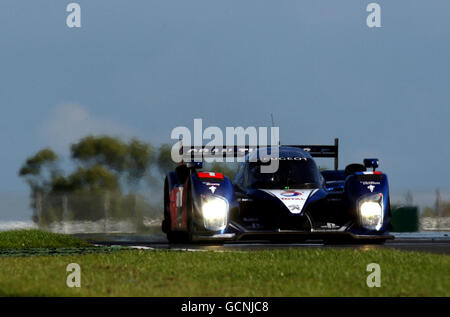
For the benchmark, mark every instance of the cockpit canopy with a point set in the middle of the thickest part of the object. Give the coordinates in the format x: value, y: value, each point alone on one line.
x: 296, y: 170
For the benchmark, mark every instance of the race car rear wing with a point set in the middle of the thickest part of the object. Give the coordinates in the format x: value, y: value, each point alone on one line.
x: 190, y: 153
x: 331, y: 151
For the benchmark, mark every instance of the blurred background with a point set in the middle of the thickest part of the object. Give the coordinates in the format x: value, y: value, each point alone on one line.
x: 86, y: 113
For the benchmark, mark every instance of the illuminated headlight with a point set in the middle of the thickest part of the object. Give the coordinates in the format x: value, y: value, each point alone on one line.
x: 215, y: 213
x: 371, y: 214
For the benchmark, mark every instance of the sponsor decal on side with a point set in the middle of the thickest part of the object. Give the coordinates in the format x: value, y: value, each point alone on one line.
x: 212, y: 189
x: 370, y: 185
x: 211, y: 186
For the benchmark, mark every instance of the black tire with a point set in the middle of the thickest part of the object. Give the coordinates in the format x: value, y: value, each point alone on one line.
x: 175, y: 237
x: 190, y: 217
x: 165, y: 226
x: 172, y: 236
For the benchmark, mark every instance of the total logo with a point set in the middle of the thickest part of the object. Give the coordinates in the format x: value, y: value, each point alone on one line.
x: 290, y: 193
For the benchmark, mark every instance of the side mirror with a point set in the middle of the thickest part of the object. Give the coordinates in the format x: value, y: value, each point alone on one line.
x: 322, y: 179
x: 237, y: 189
x: 371, y: 162
x: 354, y: 168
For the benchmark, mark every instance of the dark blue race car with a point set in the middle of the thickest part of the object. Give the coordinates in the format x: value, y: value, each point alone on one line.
x: 297, y: 202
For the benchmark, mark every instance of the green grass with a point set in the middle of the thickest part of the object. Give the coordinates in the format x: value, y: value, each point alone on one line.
x: 25, y: 239
x: 291, y: 272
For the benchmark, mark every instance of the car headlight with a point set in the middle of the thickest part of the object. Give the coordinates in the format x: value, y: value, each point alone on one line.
x: 371, y: 214
x: 215, y: 213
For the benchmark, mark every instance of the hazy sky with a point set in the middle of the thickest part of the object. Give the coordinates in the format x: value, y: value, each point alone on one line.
x: 141, y: 68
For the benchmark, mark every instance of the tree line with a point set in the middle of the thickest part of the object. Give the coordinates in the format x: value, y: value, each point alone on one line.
x: 104, y: 170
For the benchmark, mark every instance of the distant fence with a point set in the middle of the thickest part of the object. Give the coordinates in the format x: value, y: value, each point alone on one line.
x: 102, y: 212
x: 407, y: 219
x: 435, y: 223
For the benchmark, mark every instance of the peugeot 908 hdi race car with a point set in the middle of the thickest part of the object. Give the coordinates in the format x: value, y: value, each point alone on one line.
x: 295, y: 202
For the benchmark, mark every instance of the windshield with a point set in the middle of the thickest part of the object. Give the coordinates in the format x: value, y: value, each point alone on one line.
x: 292, y: 174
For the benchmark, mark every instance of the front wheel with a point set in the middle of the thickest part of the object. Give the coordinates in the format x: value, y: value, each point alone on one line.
x: 176, y: 237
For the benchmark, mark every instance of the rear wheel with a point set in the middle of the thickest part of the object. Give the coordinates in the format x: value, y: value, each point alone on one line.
x: 190, y: 216
x: 172, y: 236
x: 165, y: 226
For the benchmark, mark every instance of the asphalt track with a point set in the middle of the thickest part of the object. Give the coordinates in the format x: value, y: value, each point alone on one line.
x: 434, y: 242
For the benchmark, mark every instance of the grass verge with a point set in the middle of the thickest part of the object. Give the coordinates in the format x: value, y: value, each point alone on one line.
x: 290, y: 272
x: 25, y: 239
